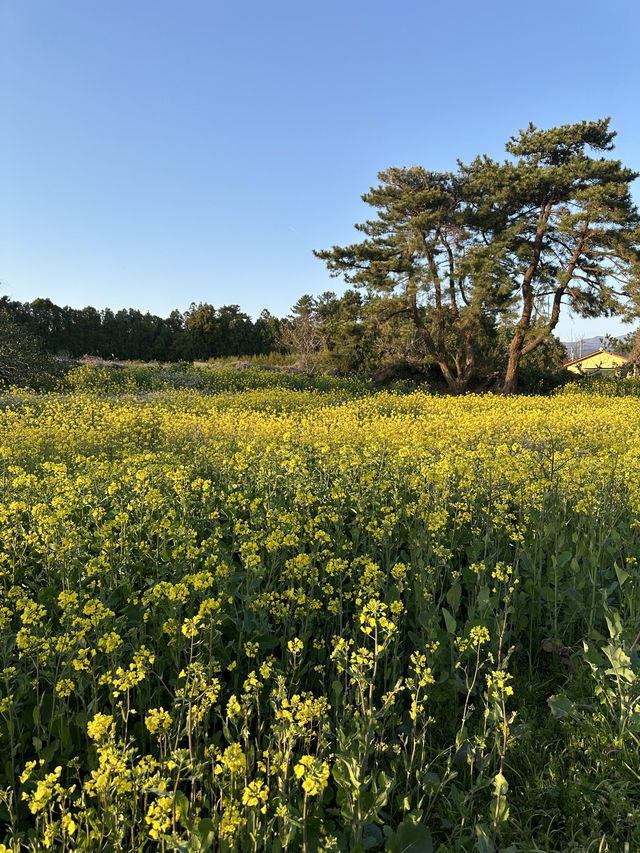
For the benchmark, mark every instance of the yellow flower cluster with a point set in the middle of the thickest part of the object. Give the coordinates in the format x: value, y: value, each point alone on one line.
x: 158, y: 816
x: 302, y: 710
x: 47, y: 789
x: 295, y: 646
x: 374, y: 619
x: 158, y: 721
x: 499, y: 682
x: 256, y: 794
x: 100, y: 727
x: 313, y: 773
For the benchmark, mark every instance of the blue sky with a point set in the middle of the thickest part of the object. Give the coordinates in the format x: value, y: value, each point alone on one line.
x: 159, y: 153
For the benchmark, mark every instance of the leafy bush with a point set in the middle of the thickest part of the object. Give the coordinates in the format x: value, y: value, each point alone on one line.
x: 606, y: 386
x: 22, y: 360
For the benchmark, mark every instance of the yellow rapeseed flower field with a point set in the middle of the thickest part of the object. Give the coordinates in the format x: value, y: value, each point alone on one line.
x: 280, y: 620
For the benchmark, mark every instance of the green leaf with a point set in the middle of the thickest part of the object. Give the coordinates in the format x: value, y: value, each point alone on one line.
x: 592, y: 656
x: 410, y: 837
x: 206, y: 833
x: 345, y: 773
x: 483, y: 597
x: 182, y: 808
x: 484, y: 843
x: 564, y: 558
x: 621, y: 574
x: 620, y: 663
x: 561, y: 707
x: 49, y: 751
x: 453, y: 595
x: 449, y: 622
x: 372, y: 836
x: 500, y: 784
x: 614, y: 623
x: 500, y: 788
x: 384, y: 786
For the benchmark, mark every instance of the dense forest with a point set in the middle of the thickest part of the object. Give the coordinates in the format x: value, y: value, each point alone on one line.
x: 350, y: 332
x: 200, y: 333
x: 353, y: 333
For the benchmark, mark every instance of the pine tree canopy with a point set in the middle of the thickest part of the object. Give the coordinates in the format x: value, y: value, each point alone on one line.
x: 506, y: 243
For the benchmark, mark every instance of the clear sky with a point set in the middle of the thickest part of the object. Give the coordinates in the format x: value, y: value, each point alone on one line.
x: 155, y: 153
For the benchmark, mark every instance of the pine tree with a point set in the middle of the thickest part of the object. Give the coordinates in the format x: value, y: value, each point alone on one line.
x: 501, y: 244
x: 561, y: 225
x: 414, y: 255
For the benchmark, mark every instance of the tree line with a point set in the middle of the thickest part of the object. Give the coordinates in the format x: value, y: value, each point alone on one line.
x: 359, y: 331
x: 200, y: 333
x: 465, y: 273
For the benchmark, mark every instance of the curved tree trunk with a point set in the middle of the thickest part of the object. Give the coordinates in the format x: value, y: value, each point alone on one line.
x: 510, y: 385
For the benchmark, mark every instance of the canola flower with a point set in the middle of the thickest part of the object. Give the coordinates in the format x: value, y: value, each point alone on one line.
x: 158, y: 721
x: 313, y: 774
x: 231, y: 613
x: 159, y: 816
x: 100, y: 727
x: 256, y: 794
